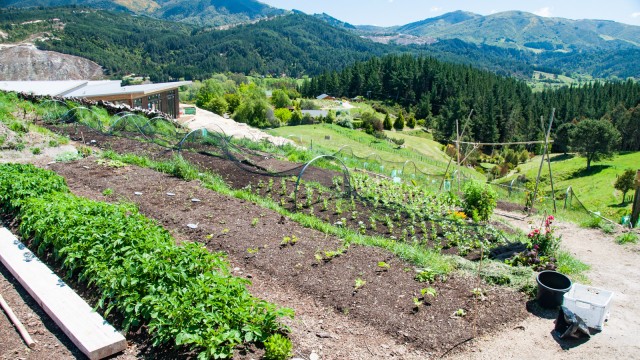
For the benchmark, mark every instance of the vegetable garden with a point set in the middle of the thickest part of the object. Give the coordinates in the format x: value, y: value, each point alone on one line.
x: 405, y: 219
x: 183, y: 294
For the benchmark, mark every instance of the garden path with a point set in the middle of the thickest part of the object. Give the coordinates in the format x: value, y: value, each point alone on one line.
x: 613, y: 267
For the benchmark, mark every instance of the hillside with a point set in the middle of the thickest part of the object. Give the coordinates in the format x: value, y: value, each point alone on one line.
x: 200, y: 12
x: 526, y: 31
x: 25, y: 62
x: 593, y: 188
x: 590, y: 47
x: 434, y: 24
x: 294, y: 44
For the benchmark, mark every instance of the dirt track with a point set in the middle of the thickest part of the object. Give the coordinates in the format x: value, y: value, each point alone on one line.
x: 613, y: 267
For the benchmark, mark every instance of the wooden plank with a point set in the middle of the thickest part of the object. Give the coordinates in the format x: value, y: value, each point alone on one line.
x: 93, y: 335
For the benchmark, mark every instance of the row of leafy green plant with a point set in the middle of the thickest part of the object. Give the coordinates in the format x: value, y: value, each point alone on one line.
x: 428, y: 260
x: 184, y: 294
x: 402, y: 212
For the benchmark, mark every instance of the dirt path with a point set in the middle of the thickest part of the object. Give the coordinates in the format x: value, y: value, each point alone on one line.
x: 214, y: 122
x: 613, y: 267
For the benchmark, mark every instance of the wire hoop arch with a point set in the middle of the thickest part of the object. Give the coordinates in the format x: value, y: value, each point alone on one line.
x: 345, y: 175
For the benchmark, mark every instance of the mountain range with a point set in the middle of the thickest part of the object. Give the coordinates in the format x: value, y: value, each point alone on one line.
x: 518, y: 30
x: 509, y: 43
x: 199, y: 12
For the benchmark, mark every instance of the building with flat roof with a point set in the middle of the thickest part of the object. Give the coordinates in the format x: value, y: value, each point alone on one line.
x: 163, y: 97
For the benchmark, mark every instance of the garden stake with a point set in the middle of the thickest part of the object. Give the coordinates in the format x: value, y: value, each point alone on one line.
x: 19, y: 326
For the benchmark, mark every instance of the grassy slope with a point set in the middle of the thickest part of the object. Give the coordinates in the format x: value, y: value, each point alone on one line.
x: 594, y: 188
x: 363, y: 144
x: 427, y: 147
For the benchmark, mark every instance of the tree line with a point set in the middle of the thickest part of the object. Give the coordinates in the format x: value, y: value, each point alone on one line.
x: 504, y: 109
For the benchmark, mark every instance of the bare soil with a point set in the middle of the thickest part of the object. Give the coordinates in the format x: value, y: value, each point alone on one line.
x: 385, y: 302
x: 333, y: 319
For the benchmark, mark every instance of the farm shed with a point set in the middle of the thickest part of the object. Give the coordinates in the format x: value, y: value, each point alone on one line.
x: 163, y: 97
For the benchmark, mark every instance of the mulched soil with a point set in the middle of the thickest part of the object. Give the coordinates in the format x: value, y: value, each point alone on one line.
x: 382, y: 307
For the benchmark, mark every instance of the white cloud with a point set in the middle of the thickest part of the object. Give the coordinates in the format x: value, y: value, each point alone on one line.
x: 493, y: 11
x: 636, y: 15
x: 435, y: 9
x: 545, y: 11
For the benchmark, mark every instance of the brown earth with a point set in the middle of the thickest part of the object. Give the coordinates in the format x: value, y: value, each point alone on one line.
x: 385, y: 302
x: 333, y: 319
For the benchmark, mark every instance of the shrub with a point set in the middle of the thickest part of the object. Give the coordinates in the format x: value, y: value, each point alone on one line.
x: 307, y: 104
x: 479, y: 200
x: 626, y: 238
x: 217, y: 105
x: 283, y: 114
x: 345, y: 122
x: 399, y: 123
x: 277, y: 347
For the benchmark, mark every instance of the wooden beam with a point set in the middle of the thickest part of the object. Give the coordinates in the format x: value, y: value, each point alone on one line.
x: 635, y: 212
x: 88, y: 330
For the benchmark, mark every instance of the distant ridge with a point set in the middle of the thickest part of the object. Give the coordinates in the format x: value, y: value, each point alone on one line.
x: 200, y: 12
x: 525, y: 31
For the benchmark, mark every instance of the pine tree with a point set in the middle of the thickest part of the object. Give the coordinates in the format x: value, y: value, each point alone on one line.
x: 399, y: 123
x: 411, y: 121
x: 387, y: 125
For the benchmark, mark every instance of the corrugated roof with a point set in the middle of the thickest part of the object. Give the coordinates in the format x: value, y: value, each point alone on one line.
x: 95, y: 90
x: 52, y: 88
x: 84, y: 88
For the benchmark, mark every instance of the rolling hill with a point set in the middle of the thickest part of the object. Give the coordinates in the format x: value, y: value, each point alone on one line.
x: 200, y: 12
x: 510, y: 44
x: 523, y: 31
x: 295, y: 44
x: 517, y: 29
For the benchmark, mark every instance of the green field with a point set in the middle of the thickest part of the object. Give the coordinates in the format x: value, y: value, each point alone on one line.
x: 425, y: 153
x: 594, y: 188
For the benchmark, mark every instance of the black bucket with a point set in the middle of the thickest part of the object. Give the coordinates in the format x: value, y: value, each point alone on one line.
x: 551, y: 288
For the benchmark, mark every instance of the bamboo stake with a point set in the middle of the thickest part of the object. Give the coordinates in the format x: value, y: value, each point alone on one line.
x: 544, y: 154
x: 18, y: 324
x: 553, y: 191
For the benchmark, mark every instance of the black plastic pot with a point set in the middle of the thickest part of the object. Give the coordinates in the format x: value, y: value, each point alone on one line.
x: 551, y: 288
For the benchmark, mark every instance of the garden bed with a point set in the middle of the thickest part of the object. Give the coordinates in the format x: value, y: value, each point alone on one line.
x: 385, y: 301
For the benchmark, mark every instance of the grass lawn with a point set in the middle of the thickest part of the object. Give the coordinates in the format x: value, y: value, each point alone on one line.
x: 427, y: 147
x: 594, y: 188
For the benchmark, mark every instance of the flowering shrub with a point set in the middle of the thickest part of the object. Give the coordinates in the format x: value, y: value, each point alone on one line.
x: 547, y: 243
x: 542, y: 249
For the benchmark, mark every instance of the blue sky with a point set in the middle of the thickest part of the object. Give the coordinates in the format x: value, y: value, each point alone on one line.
x: 400, y: 12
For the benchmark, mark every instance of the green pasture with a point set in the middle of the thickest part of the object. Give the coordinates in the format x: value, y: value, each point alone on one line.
x: 594, y: 188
